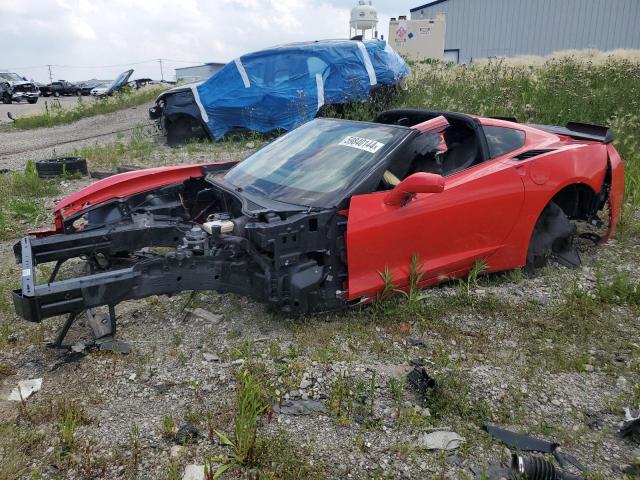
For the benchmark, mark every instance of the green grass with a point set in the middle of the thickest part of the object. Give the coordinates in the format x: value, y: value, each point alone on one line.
x: 22, y: 196
x: 55, y: 114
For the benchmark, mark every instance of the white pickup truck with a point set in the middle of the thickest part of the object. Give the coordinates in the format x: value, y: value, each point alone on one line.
x: 19, y: 87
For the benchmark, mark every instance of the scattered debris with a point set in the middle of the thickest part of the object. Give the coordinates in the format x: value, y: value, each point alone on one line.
x: 186, y: 434
x: 193, y: 472
x: 203, y: 314
x: 631, y: 424
x: 210, y: 357
x: 25, y: 389
x: 534, y: 468
x: 112, y: 345
x: 421, y: 380
x: 519, y: 441
x: 299, y: 407
x: 53, y: 167
x: 440, y: 440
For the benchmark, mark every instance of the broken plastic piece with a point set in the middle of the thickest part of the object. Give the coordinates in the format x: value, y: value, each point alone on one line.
x: 25, y: 389
x: 299, y: 407
x: 519, y: 441
x: 631, y: 425
x: 421, y: 380
x: 440, y: 440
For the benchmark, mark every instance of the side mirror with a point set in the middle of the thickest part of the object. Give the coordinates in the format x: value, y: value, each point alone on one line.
x: 421, y: 182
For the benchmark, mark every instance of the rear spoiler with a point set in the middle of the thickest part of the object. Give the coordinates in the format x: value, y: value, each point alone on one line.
x: 580, y: 131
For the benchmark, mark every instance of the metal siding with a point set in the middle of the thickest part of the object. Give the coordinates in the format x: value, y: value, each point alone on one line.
x: 483, y: 28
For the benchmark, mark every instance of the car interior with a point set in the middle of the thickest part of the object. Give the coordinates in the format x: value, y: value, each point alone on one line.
x: 456, y: 149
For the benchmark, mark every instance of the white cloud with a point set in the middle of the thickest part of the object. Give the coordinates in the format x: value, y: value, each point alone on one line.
x: 100, y: 32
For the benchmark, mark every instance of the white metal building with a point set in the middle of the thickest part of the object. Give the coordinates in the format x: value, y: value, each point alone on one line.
x: 197, y: 72
x: 487, y: 28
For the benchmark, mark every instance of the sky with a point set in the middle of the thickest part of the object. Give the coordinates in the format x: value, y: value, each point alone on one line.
x: 86, y: 39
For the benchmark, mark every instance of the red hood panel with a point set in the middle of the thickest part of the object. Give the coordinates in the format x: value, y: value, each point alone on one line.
x: 123, y: 185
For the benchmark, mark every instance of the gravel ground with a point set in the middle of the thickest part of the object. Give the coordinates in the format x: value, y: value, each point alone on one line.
x: 18, y: 146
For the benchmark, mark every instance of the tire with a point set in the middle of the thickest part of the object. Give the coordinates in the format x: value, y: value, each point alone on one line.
x: 54, y: 167
x: 552, y: 235
x: 6, y: 99
x: 32, y: 101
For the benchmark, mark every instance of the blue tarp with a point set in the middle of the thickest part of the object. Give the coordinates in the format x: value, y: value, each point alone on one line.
x: 284, y: 86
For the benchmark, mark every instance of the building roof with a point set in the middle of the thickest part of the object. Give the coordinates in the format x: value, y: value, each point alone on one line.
x: 430, y: 4
x: 215, y: 64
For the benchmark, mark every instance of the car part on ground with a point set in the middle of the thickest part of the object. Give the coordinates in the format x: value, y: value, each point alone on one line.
x: 279, y: 88
x: 308, y: 222
x: 421, y: 381
x: 55, y: 167
x: 631, y: 425
x: 535, y: 467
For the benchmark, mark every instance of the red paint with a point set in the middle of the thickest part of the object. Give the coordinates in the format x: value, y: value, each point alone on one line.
x: 485, y: 212
x: 124, y: 185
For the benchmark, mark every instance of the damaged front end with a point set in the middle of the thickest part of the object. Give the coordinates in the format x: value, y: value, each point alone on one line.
x: 195, y: 234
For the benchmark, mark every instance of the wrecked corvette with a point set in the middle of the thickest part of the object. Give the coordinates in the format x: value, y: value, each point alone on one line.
x: 307, y: 223
x: 279, y: 88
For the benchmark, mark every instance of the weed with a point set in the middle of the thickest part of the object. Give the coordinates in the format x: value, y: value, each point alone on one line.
x: 251, y: 403
x: 68, y: 431
x: 396, y: 386
x: 168, y: 427
x: 135, y: 446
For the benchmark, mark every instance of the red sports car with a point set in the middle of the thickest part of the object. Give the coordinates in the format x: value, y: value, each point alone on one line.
x: 309, y: 222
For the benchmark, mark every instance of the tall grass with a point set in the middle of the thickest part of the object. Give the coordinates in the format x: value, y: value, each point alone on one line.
x: 22, y: 196
x: 56, y: 114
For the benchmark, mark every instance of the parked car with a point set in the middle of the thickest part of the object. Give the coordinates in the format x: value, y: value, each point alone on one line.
x: 21, y: 88
x: 278, y: 88
x: 61, y: 87
x: 309, y: 222
x: 109, y: 89
x: 100, y: 88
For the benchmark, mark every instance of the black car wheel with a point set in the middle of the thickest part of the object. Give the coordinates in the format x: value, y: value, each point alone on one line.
x: 54, y: 167
x: 6, y: 98
x: 552, y: 236
x: 32, y: 100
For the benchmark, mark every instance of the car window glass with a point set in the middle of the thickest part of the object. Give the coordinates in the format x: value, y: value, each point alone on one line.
x: 503, y: 140
x: 308, y: 165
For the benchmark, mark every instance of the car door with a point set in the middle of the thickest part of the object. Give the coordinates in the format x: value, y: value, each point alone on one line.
x: 449, y: 231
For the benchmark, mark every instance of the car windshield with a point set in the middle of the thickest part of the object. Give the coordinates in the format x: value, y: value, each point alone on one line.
x: 314, y: 162
x: 12, y: 77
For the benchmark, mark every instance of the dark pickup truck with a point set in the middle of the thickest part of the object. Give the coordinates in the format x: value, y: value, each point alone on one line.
x: 61, y: 87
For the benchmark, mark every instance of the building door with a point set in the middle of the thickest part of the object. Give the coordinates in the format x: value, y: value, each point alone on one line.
x: 452, y: 55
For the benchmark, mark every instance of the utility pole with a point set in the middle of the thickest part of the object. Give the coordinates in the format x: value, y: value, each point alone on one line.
x: 161, y: 72
x: 50, y: 74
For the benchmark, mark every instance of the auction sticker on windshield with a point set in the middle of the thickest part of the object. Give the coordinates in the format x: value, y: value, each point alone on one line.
x: 360, y: 143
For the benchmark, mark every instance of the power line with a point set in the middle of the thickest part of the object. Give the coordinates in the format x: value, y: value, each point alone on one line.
x: 107, y: 66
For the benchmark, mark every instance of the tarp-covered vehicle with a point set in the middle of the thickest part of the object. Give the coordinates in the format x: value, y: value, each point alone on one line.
x: 278, y: 88
x: 309, y: 222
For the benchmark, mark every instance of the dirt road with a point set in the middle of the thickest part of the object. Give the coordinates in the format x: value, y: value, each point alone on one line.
x: 18, y: 146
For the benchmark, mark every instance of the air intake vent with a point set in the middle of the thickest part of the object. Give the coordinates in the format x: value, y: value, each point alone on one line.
x: 532, y: 153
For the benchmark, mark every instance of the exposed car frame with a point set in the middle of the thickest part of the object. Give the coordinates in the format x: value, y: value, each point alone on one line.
x: 446, y: 186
